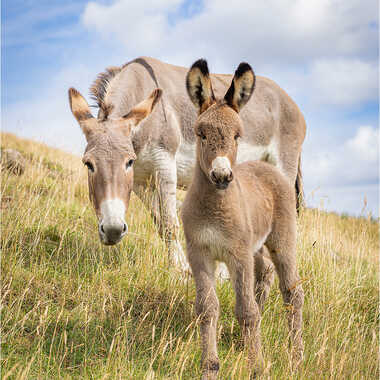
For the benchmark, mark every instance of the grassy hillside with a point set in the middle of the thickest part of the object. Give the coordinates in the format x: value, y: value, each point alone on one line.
x: 72, y: 308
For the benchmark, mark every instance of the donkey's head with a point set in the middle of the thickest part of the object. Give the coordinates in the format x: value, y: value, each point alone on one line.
x: 109, y: 157
x: 218, y: 126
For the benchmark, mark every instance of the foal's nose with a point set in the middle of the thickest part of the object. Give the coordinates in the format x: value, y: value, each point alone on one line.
x: 111, y: 233
x: 222, y: 177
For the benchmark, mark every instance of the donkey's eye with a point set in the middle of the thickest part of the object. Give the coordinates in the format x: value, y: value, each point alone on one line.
x: 236, y: 136
x: 129, y: 163
x: 202, y: 136
x: 89, y: 166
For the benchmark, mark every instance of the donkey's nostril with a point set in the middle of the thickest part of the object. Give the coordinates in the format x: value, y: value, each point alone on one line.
x: 213, y: 176
x: 124, y: 228
x: 230, y: 177
x: 102, y: 228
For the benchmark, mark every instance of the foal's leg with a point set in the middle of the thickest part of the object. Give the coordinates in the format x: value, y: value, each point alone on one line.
x: 264, y: 276
x: 207, y: 309
x: 282, y: 249
x: 246, y: 309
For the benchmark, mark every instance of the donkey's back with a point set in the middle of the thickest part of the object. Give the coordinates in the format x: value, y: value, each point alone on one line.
x: 274, y: 126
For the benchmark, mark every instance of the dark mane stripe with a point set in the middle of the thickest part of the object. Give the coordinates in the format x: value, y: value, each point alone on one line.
x: 149, y: 69
x: 99, y: 88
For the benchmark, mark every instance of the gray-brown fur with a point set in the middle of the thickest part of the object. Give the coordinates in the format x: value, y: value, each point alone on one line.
x: 230, y: 211
x: 164, y: 142
x: 109, y: 155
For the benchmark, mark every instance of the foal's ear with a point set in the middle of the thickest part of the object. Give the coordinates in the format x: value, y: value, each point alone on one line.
x: 143, y: 109
x: 81, y: 111
x: 242, y: 86
x: 198, y: 85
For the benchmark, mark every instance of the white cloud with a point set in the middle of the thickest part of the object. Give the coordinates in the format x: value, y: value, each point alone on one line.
x: 285, y: 39
x: 352, y: 162
x: 139, y: 25
x: 293, y: 30
x: 343, y: 81
x: 364, y: 145
x: 344, y: 177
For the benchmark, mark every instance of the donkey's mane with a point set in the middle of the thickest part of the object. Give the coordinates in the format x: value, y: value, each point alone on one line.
x: 102, y: 85
x: 99, y: 88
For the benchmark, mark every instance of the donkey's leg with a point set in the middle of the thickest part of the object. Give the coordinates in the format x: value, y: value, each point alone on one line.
x: 264, y: 276
x: 166, y: 183
x: 283, y: 254
x: 149, y: 197
x: 247, y: 310
x: 290, y: 165
x: 207, y: 309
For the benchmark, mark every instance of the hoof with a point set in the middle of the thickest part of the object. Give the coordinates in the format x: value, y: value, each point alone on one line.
x: 297, y: 359
x: 210, y: 370
x: 178, y: 259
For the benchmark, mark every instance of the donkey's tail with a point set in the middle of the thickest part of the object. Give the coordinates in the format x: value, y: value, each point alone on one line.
x: 300, y: 200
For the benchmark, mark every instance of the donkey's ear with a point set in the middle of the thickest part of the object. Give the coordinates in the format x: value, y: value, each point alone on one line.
x: 143, y: 109
x: 242, y: 86
x: 81, y: 111
x: 198, y: 85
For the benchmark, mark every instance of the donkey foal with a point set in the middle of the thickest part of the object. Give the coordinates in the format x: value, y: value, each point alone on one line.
x: 229, y: 213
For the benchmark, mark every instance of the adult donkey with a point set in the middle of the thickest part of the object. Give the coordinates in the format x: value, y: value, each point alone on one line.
x: 126, y: 152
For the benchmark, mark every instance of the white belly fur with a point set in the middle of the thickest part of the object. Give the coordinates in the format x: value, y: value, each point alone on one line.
x: 214, y: 239
x: 185, y: 161
x: 269, y: 153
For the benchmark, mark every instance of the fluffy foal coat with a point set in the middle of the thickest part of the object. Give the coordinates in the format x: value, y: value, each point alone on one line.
x: 229, y: 213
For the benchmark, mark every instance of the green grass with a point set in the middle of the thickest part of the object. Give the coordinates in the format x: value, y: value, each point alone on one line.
x: 74, y: 309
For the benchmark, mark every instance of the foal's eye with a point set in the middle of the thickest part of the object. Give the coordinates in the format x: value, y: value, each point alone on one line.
x: 202, y: 136
x: 89, y: 166
x: 129, y: 164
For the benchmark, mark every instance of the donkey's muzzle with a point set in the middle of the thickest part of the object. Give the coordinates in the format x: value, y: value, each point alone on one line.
x: 112, y: 233
x: 112, y: 226
x: 221, y: 178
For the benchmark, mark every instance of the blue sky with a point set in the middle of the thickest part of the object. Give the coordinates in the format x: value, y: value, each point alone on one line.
x: 324, y: 53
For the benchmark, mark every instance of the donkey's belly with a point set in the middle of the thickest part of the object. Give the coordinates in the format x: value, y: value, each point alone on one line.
x: 151, y: 162
x: 185, y: 162
x: 143, y: 168
x: 268, y: 153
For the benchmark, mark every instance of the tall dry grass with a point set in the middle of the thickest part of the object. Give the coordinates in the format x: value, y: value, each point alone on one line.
x: 72, y: 308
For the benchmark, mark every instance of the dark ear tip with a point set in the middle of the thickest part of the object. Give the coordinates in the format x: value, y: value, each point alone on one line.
x: 201, y: 64
x: 242, y: 69
x: 73, y: 91
x: 157, y: 93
